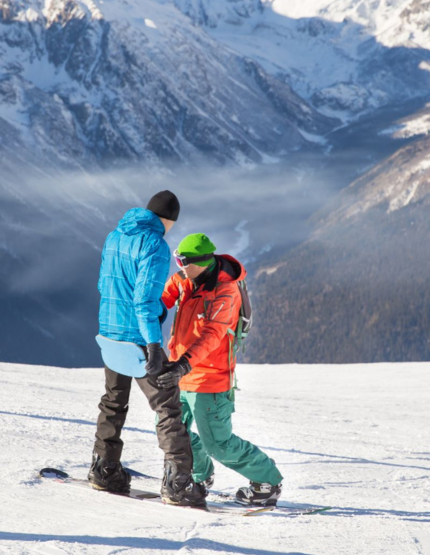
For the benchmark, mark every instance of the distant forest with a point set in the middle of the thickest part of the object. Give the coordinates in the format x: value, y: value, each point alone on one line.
x: 359, y: 293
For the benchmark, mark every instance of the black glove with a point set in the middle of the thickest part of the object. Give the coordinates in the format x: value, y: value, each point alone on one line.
x: 155, y: 358
x: 175, y: 371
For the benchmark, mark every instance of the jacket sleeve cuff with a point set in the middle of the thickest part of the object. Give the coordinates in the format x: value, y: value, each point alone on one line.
x: 152, y: 335
x: 189, y: 358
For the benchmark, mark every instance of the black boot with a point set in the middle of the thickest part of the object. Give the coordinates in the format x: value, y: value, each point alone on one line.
x: 259, y: 494
x: 179, y: 488
x: 108, y: 475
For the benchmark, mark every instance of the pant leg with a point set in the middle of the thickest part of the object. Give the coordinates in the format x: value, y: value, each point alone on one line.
x: 212, y: 413
x: 113, y: 411
x: 202, y: 466
x: 172, y: 434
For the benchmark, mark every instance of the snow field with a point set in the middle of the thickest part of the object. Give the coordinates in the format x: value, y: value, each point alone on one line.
x: 352, y: 437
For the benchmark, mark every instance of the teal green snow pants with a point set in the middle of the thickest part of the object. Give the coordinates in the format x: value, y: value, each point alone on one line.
x: 212, y: 415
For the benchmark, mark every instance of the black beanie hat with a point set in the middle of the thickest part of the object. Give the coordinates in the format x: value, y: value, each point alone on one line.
x: 165, y: 204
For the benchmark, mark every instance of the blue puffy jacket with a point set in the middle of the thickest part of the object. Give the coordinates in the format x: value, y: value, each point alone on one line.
x: 134, y: 270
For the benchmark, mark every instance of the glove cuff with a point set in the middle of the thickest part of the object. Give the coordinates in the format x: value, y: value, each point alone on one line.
x: 185, y: 363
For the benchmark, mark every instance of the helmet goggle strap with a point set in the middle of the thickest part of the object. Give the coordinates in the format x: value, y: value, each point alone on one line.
x: 184, y: 261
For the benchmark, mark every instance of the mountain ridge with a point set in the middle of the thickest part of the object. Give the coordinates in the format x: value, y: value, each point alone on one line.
x: 127, y: 88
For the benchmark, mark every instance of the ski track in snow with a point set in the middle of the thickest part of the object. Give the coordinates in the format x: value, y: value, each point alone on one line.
x: 354, y: 437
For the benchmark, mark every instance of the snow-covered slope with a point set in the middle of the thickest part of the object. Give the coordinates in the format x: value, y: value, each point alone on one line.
x: 354, y: 437
x: 87, y: 82
x: 345, y: 56
x: 401, y: 180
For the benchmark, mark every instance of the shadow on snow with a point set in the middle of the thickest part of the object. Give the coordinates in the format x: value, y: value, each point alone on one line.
x: 341, y: 459
x: 143, y: 543
x: 73, y: 421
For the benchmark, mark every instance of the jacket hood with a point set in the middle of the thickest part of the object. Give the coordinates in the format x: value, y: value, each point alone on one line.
x: 230, y: 269
x: 137, y: 220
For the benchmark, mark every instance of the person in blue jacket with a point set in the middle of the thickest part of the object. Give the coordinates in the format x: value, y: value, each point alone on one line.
x: 133, y: 273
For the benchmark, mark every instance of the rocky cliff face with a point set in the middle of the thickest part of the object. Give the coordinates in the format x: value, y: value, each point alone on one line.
x: 85, y: 84
x: 210, y: 14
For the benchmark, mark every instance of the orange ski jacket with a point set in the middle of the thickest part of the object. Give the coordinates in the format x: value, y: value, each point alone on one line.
x: 201, y: 328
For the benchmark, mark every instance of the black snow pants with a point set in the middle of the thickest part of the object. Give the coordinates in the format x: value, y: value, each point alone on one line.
x: 172, y: 434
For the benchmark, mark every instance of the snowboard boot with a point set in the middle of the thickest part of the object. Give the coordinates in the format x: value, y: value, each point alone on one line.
x: 264, y: 495
x: 179, y: 488
x: 108, y: 475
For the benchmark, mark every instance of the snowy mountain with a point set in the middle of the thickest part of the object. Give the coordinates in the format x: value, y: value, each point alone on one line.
x: 211, y: 14
x: 352, y: 437
x: 86, y: 82
x: 399, y: 181
x: 346, y: 57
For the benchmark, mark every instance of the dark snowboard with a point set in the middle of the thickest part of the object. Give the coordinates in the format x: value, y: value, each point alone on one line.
x: 219, y: 504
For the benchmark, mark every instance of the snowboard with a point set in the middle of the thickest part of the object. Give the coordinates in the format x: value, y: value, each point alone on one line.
x: 292, y: 509
x: 217, y: 503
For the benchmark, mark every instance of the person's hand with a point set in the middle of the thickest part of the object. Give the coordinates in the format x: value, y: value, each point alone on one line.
x: 155, y: 358
x: 175, y: 371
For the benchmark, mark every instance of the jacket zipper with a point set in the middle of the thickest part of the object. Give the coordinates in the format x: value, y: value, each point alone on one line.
x: 219, y: 310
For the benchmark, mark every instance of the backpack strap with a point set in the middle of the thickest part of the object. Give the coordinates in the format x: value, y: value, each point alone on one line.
x: 231, y: 355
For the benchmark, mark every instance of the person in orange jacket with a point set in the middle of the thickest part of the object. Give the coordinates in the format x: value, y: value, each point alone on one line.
x: 208, y: 301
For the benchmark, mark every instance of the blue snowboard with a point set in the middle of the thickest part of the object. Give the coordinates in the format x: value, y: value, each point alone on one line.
x: 122, y: 356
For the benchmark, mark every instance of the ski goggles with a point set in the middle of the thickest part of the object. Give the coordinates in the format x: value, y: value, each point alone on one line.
x: 184, y: 261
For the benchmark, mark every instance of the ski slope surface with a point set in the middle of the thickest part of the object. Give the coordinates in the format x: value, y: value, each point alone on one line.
x: 353, y: 437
